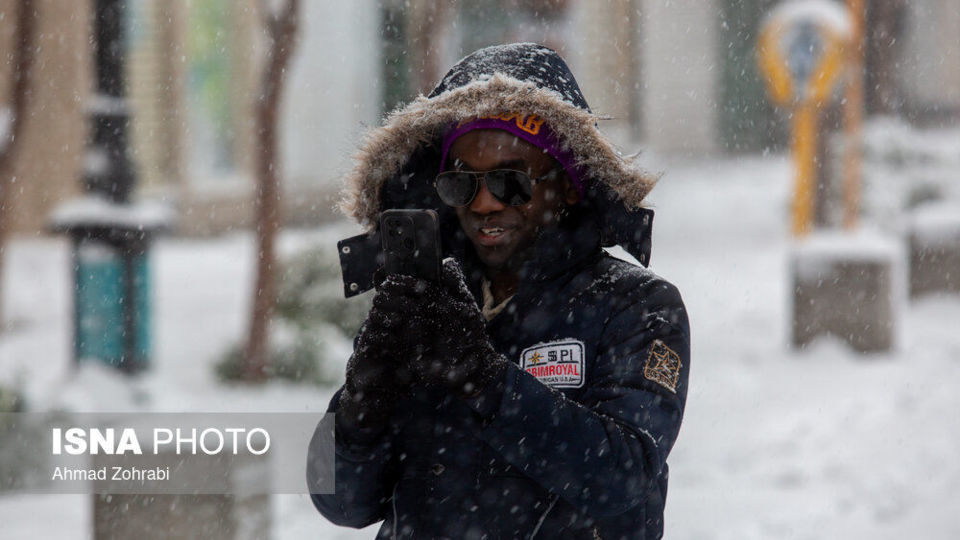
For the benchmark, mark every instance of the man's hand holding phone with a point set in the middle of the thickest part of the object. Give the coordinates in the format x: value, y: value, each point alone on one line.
x: 440, y: 331
x: 376, y: 372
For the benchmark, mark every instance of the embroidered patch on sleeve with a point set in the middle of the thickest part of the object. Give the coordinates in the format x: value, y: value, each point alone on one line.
x: 558, y: 364
x: 663, y: 366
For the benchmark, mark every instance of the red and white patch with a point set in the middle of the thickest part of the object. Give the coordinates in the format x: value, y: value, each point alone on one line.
x: 558, y: 363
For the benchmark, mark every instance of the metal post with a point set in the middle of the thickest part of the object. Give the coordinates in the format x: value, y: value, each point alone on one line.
x: 806, y: 116
x: 111, y: 235
x: 109, y: 170
x: 853, y: 115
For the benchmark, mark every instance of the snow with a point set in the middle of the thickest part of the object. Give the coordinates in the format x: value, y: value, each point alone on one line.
x: 776, y: 443
x: 96, y: 210
x: 824, y: 13
x: 861, y: 245
x: 105, y: 104
x: 936, y: 222
x: 96, y: 162
x: 905, y: 167
x: 813, y: 257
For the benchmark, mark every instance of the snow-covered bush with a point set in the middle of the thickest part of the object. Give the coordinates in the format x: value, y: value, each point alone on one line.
x: 311, y: 293
x: 310, y: 314
x: 904, y: 167
x: 11, y: 400
x: 19, y: 460
x: 300, y: 361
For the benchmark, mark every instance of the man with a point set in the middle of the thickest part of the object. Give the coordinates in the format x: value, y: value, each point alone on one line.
x: 538, y: 389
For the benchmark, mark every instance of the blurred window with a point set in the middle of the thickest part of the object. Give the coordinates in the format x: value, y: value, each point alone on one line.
x: 211, y: 89
x: 747, y: 120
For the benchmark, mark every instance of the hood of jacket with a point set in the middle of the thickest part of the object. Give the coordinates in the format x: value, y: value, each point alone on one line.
x: 398, y: 161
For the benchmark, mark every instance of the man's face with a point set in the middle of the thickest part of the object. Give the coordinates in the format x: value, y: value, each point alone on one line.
x: 500, y: 233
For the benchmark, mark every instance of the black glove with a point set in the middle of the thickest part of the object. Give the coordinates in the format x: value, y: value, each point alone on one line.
x: 442, y: 332
x: 372, y: 384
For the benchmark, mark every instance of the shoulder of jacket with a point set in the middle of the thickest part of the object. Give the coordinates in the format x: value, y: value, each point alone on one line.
x: 626, y: 274
x: 626, y: 284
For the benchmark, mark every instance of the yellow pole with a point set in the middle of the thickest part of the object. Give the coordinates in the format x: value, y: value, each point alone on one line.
x: 805, y: 154
x: 853, y: 117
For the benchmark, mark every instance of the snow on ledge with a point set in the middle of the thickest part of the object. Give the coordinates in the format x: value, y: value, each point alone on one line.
x: 814, y: 256
x: 936, y: 222
x: 860, y: 245
x: 97, y: 211
x: 825, y: 13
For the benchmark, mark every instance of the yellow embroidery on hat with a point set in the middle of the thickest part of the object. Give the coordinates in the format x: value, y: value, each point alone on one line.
x: 506, y: 117
x: 530, y: 123
x: 663, y: 366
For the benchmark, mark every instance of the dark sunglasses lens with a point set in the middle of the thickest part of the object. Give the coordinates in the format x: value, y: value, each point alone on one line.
x: 513, y: 188
x: 456, y: 188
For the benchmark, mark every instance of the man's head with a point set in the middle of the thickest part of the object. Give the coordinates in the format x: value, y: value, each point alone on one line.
x: 502, y: 233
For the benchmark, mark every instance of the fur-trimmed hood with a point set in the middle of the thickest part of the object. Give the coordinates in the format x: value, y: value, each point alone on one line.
x: 521, y: 77
x: 397, y: 162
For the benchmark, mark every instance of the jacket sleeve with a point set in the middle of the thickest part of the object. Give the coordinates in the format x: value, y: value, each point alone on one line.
x: 604, y: 453
x: 362, y: 479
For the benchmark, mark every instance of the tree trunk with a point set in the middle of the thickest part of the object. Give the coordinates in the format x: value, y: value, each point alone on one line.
x: 281, y: 35
x: 20, y: 101
x: 426, y: 30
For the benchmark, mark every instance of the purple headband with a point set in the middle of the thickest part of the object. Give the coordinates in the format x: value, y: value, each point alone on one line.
x: 530, y: 128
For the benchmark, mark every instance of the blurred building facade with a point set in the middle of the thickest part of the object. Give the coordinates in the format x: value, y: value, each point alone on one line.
x: 676, y: 77
x: 192, y: 79
x: 47, y: 167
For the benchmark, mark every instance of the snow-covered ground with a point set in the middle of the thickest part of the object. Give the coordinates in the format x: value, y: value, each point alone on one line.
x: 776, y: 443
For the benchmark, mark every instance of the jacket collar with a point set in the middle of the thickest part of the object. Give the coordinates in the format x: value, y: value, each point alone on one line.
x: 562, y: 250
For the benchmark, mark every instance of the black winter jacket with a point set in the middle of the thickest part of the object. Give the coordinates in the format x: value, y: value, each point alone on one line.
x: 574, y: 442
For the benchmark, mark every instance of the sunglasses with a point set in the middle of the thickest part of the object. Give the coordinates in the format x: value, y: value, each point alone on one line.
x: 510, y: 187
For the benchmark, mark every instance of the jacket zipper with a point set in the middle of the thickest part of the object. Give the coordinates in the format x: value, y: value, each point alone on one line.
x: 553, y: 501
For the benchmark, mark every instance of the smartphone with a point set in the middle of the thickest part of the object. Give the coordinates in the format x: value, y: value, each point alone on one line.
x: 411, y: 243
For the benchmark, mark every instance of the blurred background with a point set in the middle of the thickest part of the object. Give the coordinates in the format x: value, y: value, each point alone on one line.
x: 153, y: 257
x: 676, y: 77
